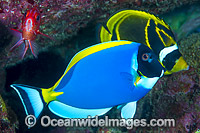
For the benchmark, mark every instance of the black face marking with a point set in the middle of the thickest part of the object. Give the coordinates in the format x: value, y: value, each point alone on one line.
x: 154, y: 40
x: 170, y: 60
x: 148, y: 64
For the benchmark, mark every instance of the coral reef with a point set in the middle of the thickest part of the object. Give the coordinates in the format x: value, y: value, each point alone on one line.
x: 190, y: 48
x: 179, y: 95
x: 5, y: 124
x: 63, y: 19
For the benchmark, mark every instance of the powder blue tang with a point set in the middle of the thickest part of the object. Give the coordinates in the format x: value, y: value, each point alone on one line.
x: 97, y: 78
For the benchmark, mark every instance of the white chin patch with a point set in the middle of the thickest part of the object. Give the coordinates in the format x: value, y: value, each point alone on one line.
x: 164, y: 52
x: 147, y: 83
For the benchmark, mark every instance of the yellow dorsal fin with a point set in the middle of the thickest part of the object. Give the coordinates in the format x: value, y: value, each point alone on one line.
x: 113, y: 19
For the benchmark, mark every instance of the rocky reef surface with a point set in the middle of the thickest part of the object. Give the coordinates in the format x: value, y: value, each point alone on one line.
x: 62, y: 19
x: 73, y: 24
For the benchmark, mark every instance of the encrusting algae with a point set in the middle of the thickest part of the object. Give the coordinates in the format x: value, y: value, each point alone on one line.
x: 190, y: 49
x: 5, y: 124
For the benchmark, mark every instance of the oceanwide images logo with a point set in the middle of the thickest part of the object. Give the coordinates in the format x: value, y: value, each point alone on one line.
x: 46, y: 121
x: 30, y: 120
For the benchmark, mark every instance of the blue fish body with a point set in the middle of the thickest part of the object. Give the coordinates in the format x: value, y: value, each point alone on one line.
x: 97, y: 78
x: 97, y: 82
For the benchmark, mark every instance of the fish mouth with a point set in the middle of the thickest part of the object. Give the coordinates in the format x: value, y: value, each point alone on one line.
x: 148, y: 83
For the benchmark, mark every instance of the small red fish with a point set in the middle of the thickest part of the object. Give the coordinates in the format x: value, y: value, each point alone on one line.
x: 30, y: 28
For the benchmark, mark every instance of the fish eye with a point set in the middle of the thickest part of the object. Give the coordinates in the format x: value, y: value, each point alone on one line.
x: 38, y: 18
x: 145, y: 57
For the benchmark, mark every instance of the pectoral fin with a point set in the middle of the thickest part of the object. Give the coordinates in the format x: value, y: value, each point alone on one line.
x: 129, y: 79
x: 128, y: 111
